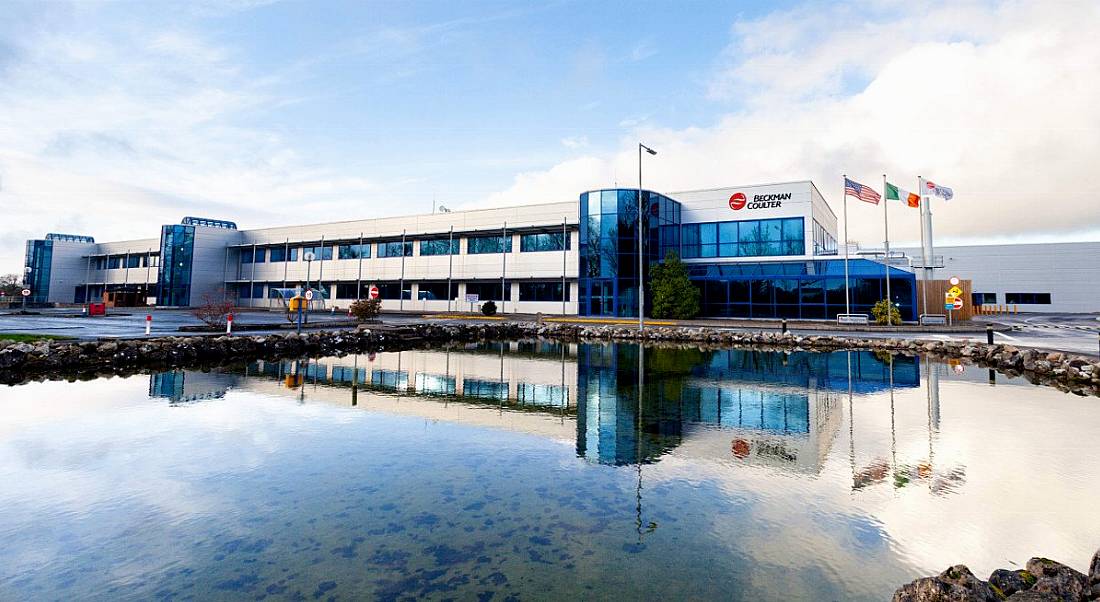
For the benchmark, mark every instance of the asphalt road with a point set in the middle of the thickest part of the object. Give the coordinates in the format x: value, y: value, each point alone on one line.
x: 1077, y: 333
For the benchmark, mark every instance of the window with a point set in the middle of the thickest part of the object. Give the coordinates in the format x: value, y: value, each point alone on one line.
x: 154, y: 260
x: 769, y: 237
x: 484, y: 388
x: 319, y: 253
x: 114, y: 262
x: 278, y: 254
x: 390, y: 290
x: 439, y: 246
x: 547, y: 395
x: 261, y: 255
x: 479, y: 245
x: 488, y: 291
x: 390, y: 379
x: 133, y: 261
x: 394, y: 249
x: 355, y: 251
x: 547, y: 241
x: 1027, y: 298
x: 431, y: 291
x: 346, y: 290
x: 983, y: 298
x: 541, y: 291
x: 246, y: 255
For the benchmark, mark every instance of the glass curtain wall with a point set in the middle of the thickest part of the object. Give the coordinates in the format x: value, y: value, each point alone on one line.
x: 609, y: 247
x: 37, y: 270
x: 177, y: 248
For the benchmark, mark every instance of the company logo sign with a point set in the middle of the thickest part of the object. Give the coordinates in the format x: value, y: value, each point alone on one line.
x: 759, y: 201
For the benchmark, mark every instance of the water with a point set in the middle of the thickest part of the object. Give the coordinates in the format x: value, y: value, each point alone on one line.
x: 522, y: 471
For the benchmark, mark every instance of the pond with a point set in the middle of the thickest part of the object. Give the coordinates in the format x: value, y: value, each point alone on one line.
x: 536, y: 470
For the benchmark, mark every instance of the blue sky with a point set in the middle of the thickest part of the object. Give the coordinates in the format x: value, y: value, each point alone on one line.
x: 119, y: 117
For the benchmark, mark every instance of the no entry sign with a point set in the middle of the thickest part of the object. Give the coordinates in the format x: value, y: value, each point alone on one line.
x: 373, y: 292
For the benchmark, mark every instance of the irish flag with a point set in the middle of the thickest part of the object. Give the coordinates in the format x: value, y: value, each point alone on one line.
x: 893, y: 193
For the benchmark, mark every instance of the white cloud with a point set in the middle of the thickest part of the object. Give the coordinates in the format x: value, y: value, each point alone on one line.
x: 999, y: 102
x: 575, y: 142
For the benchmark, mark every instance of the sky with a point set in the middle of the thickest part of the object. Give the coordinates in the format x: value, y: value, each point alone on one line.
x: 117, y: 117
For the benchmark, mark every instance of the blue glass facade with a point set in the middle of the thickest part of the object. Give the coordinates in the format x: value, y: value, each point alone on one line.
x: 37, y: 269
x: 809, y: 290
x: 608, y: 275
x: 796, y: 289
x: 177, y: 250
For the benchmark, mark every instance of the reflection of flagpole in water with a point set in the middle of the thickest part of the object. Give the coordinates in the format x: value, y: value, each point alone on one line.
x: 851, y: 423
x: 893, y: 430
x: 502, y: 345
x: 564, y: 392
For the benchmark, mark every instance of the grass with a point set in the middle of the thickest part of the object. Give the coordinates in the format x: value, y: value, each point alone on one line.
x: 18, y: 337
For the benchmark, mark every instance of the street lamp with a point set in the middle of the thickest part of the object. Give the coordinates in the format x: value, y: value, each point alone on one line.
x: 641, y: 239
x: 309, y: 256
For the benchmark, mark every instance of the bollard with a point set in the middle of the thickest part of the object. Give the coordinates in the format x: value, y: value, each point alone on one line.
x: 783, y: 326
x: 989, y: 334
x: 229, y: 324
x: 148, y: 324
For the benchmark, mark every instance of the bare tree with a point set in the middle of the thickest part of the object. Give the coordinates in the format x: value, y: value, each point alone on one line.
x: 214, y: 309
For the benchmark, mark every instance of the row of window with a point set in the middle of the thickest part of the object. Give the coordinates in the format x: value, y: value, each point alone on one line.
x: 1012, y: 298
x: 132, y: 260
x: 748, y: 238
x: 475, y: 245
x: 426, y: 291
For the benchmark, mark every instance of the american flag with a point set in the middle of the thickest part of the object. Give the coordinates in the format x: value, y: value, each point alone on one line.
x: 861, y: 192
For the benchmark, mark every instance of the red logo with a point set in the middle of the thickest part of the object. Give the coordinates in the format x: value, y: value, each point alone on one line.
x: 737, y: 201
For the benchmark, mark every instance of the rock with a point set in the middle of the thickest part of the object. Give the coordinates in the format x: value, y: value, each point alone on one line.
x: 1094, y: 578
x: 956, y: 583
x: 1011, y: 581
x: 1033, y: 596
x: 1057, y: 579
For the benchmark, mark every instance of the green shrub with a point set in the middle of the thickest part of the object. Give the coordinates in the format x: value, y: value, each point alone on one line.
x: 884, y: 308
x: 489, y: 308
x: 674, y: 296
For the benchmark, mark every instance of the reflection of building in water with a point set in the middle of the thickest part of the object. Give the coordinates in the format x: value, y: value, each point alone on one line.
x: 182, y: 386
x: 781, y: 408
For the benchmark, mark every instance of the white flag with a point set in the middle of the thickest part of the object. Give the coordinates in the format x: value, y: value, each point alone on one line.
x: 930, y: 188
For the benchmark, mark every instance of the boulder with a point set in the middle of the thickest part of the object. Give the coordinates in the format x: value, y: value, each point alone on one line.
x: 1011, y: 581
x: 1094, y: 578
x: 1057, y: 579
x: 956, y: 584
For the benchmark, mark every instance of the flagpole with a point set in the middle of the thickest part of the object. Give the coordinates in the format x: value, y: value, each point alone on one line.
x: 926, y: 256
x: 886, y: 228
x: 847, y: 302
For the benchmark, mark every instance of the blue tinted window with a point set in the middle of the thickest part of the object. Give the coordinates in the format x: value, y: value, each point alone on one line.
x: 394, y: 249
x: 609, y: 201
x: 551, y: 241
x: 439, y: 246
x: 479, y: 245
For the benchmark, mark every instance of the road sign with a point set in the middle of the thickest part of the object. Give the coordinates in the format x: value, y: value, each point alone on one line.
x: 373, y: 292
x: 309, y: 295
x: 472, y: 298
x: 309, y: 256
x: 958, y: 304
x: 949, y: 306
x: 25, y: 292
x: 955, y: 291
x: 954, y: 281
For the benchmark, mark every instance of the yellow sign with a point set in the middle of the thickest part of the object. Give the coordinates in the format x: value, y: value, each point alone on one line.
x: 955, y: 291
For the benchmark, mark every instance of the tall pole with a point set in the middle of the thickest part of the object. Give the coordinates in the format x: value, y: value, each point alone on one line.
x: 359, y: 279
x: 564, y: 264
x: 450, y: 263
x: 926, y: 239
x: 401, y: 284
x: 503, y: 261
x: 641, y: 241
x: 886, y: 229
x: 847, y: 291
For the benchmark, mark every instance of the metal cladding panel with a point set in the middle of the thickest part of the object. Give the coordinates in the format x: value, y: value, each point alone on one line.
x: 823, y: 213
x: 1070, y: 272
x: 792, y: 199
x: 208, y: 264
x: 487, y: 220
x: 67, y: 269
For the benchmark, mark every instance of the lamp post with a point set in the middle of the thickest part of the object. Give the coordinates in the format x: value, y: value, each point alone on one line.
x: 641, y: 239
x: 309, y: 256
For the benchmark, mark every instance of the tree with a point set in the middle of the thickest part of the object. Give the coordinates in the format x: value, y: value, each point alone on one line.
x: 366, y: 309
x: 11, y: 284
x: 213, y: 309
x: 674, y: 296
x: 489, y: 308
x: 884, y: 308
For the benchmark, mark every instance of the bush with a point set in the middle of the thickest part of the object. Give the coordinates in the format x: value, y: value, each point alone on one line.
x: 884, y: 308
x: 366, y: 309
x: 674, y: 296
x: 489, y: 308
x: 213, y: 309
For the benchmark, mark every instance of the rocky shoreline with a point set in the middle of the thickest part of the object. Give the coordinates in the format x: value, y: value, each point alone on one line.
x: 62, y: 359
x: 1042, y: 580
